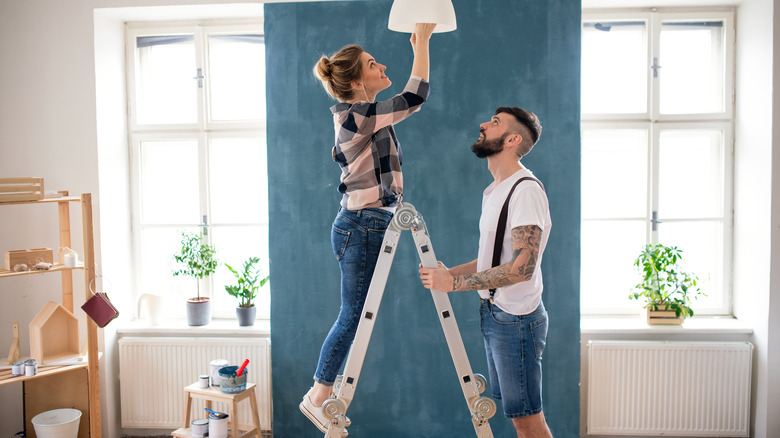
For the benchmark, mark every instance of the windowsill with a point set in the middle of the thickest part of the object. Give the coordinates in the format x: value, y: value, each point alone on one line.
x: 217, y: 328
x: 638, y: 325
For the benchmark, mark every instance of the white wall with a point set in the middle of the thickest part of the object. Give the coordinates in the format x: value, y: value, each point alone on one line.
x: 756, y: 237
x: 772, y: 406
x: 47, y: 129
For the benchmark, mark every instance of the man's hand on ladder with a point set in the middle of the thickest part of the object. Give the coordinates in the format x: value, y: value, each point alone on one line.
x: 438, y: 278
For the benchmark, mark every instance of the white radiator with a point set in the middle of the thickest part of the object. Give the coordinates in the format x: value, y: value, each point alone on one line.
x: 669, y: 388
x: 154, y: 371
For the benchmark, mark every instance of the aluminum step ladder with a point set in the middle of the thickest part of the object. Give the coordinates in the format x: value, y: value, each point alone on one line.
x: 335, y: 409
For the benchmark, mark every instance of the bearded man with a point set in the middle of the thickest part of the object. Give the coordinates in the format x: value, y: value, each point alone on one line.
x: 507, y: 272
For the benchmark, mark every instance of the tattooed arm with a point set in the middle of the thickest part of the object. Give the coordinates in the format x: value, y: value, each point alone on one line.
x: 525, y: 250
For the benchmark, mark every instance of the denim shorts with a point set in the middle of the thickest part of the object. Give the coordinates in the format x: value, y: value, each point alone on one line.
x: 514, y: 345
x: 356, y: 237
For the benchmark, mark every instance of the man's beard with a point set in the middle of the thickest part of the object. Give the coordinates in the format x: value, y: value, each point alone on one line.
x: 487, y: 148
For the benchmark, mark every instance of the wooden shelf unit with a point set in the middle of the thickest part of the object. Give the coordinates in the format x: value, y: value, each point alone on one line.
x: 88, y: 266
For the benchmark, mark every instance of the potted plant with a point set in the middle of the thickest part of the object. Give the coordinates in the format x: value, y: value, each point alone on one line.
x: 196, y: 258
x: 665, y: 287
x: 248, y: 282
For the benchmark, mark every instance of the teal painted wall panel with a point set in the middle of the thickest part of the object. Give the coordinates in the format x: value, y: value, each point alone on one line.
x: 505, y: 52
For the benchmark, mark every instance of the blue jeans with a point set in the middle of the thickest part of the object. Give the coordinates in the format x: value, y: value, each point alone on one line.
x: 356, y: 237
x: 514, y: 345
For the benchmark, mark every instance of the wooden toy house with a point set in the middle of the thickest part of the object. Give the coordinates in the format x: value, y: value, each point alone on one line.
x: 54, y: 334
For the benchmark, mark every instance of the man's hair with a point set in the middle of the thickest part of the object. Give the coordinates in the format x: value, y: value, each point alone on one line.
x: 528, y: 122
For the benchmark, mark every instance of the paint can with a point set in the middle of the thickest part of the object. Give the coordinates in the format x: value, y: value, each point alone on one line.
x: 230, y: 382
x: 200, y: 428
x: 17, y: 369
x: 30, y: 368
x: 218, y: 425
x: 216, y: 364
x: 203, y: 381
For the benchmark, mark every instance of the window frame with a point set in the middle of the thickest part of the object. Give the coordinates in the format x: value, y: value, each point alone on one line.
x: 654, y: 123
x: 202, y: 131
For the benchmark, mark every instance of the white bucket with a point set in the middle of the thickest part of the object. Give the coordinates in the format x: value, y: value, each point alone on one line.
x: 59, y: 423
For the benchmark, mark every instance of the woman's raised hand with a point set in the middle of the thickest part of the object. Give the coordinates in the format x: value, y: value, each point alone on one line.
x: 423, y: 31
x: 420, y: 39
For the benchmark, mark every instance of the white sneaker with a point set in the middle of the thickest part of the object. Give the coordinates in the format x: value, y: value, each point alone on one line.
x: 314, y: 414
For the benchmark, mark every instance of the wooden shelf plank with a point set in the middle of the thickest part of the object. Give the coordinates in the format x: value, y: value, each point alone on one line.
x: 45, y: 200
x: 4, y: 272
x: 45, y: 370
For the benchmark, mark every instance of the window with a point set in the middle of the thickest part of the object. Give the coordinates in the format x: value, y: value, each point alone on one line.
x: 657, y: 148
x: 197, y: 116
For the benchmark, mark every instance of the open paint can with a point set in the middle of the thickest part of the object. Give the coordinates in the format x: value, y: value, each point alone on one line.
x: 218, y: 425
x: 230, y: 382
x: 200, y: 427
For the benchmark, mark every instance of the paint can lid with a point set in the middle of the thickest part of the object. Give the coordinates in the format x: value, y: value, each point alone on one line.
x: 200, y: 422
x: 219, y: 362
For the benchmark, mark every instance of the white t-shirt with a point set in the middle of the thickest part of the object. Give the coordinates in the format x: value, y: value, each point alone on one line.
x: 528, y: 206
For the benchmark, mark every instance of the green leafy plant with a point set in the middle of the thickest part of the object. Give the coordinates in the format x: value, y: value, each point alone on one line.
x: 249, y: 280
x: 665, y: 286
x: 196, y: 258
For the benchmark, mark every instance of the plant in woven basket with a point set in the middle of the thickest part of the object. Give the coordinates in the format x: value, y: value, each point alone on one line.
x: 664, y: 285
x: 248, y: 281
x: 196, y: 258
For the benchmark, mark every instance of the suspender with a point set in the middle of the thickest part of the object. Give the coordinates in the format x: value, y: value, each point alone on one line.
x: 501, y: 227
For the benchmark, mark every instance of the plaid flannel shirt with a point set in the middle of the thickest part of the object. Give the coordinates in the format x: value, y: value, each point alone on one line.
x: 367, y: 149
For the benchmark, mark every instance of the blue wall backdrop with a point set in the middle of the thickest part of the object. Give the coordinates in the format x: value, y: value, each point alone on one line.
x: 504, y: 52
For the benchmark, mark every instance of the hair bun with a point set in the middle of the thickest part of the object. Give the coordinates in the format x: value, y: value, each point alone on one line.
x: 324, y: 68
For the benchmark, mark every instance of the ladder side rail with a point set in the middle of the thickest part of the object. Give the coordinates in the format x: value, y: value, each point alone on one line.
x: 447, y: 318
x: 481, y: 408
x: 336, y: 410
x: 376, y: 288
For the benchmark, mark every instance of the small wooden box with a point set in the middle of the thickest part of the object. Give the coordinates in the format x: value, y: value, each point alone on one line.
x: 28, y: 256
x: 21, y: 189
x: 54, y: 334
x: 663, y: 317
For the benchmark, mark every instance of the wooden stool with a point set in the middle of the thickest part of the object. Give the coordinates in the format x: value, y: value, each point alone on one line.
x: 212, y: 394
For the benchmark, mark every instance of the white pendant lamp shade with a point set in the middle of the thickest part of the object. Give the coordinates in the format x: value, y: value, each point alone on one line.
x: 406, y: 13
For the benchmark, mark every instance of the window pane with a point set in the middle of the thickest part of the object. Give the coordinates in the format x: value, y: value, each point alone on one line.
x: 165, y: 86
x: 692, y: 67
x: 702, y: 246
x: 620, y: 192
x: 691, y: 174
x: 237, y: 67
x: 169, y: 182
x: 607, y: 276
x: 614, y: 67
x: 234, y: 246
x: 238, y: 181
